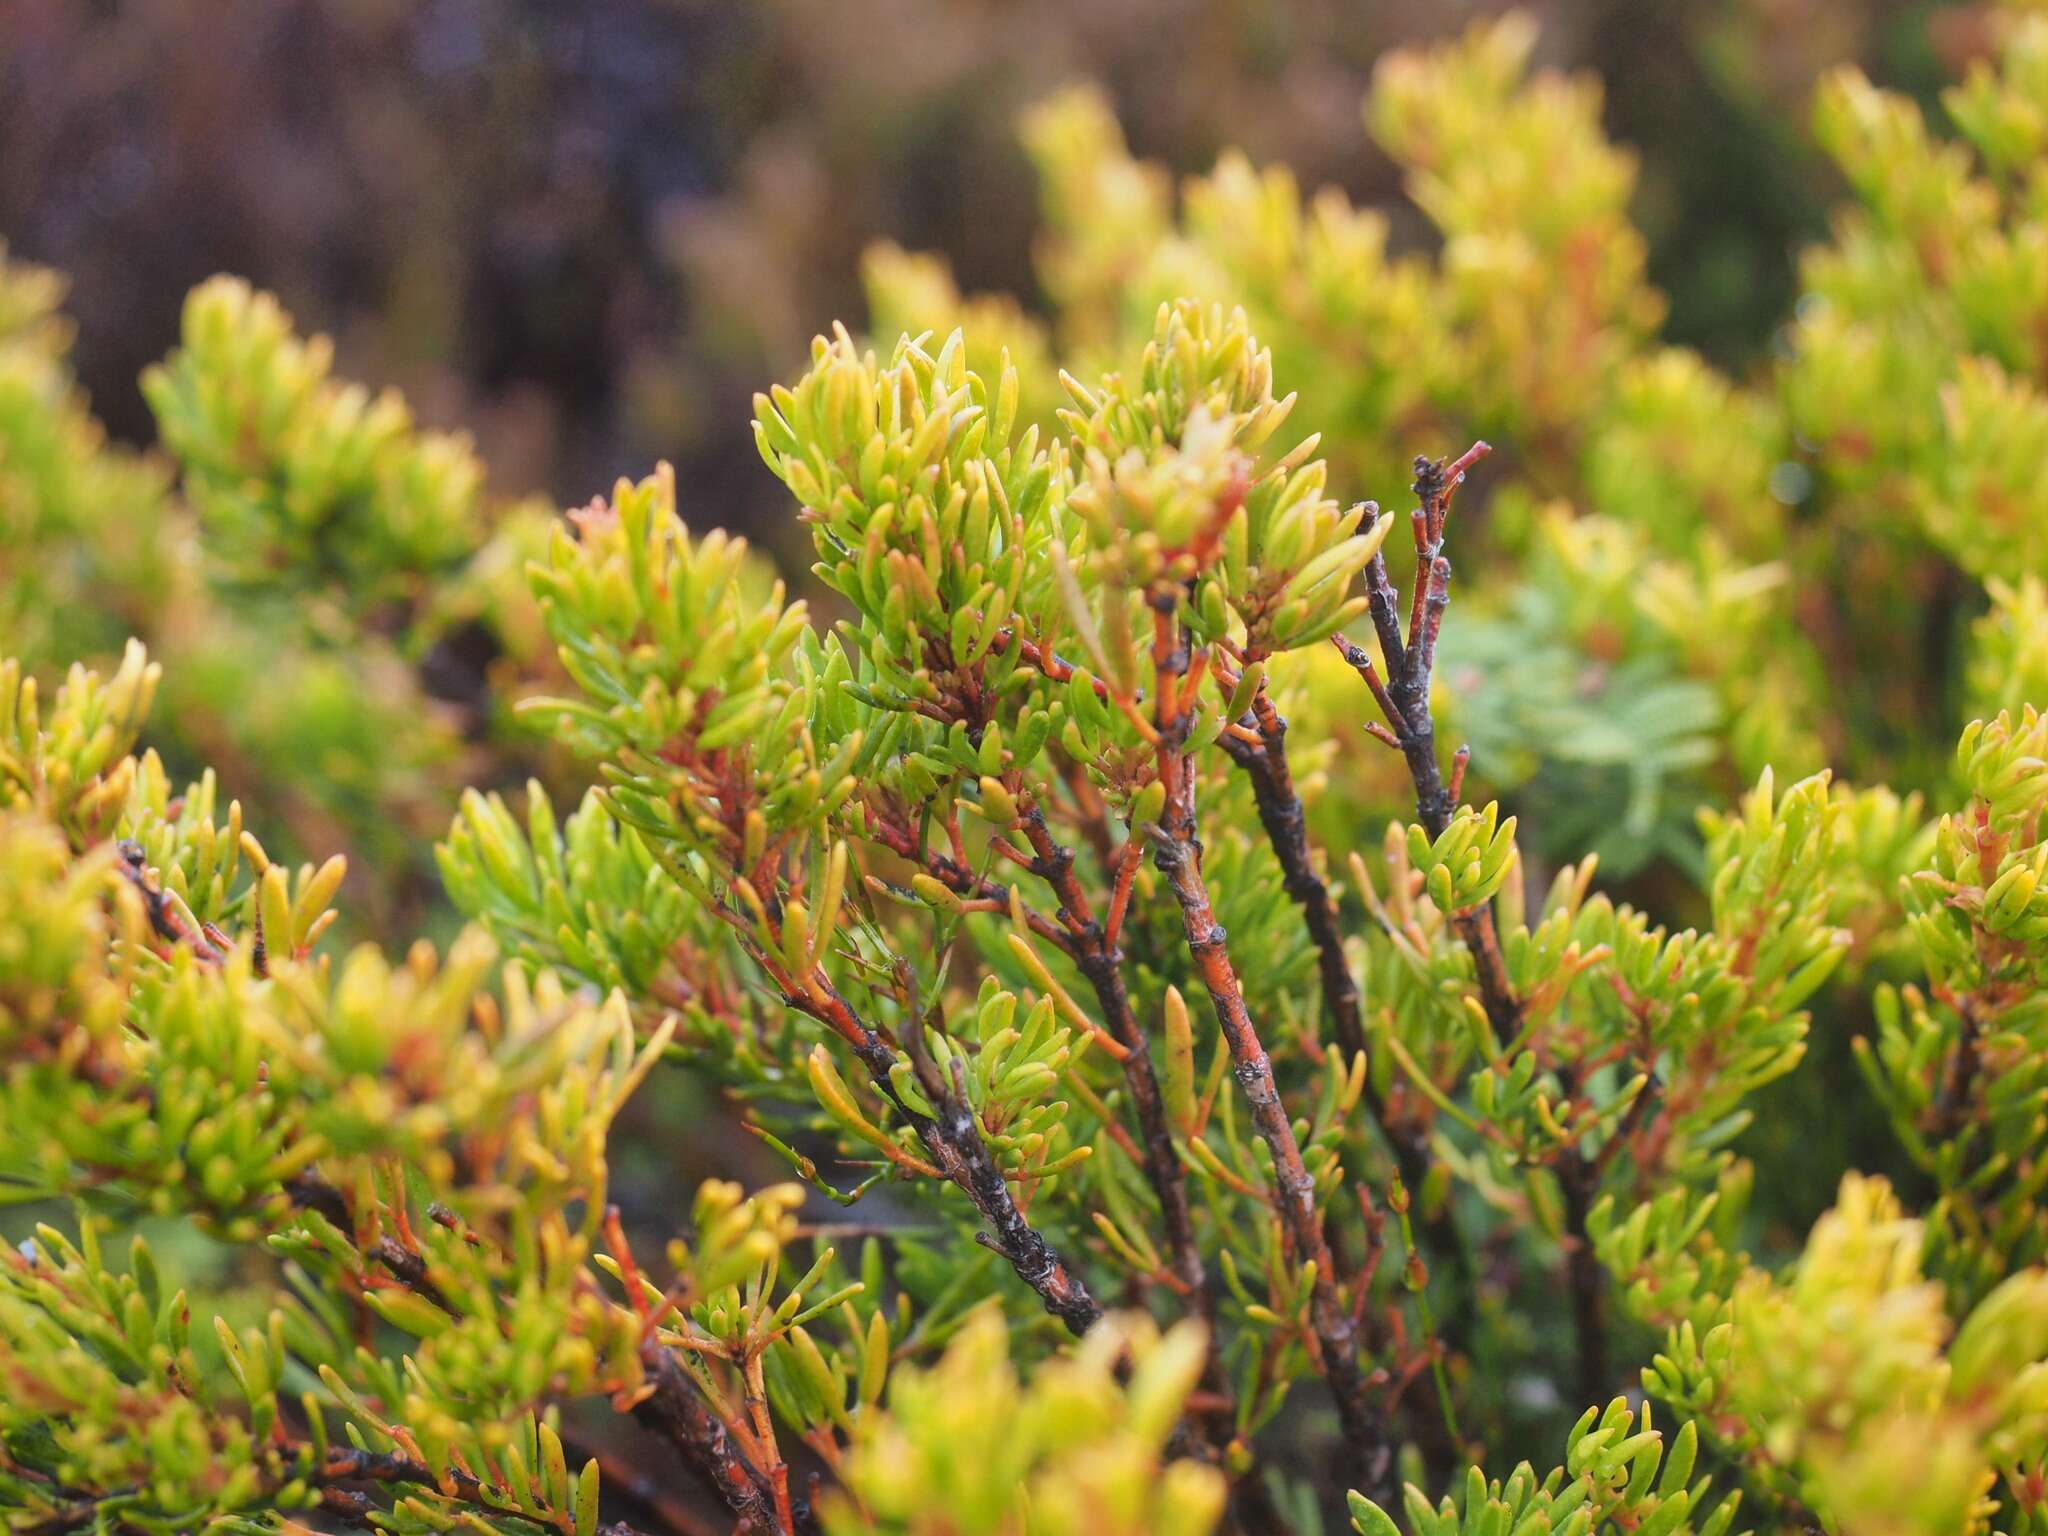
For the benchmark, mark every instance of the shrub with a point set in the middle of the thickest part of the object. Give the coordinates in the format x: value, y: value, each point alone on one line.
x: 1285, y: 1041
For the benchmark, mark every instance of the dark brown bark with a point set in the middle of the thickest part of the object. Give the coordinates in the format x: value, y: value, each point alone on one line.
x: 1404, y: 700
x: 656, y: 1509
x: 1286, y: 826
x: 1102, y: 964
x: 311, y: 1192
x: 1585, y: 1279
x: 1079, y: 935
x: 956, y: 1146
x: 1952, y: 1100
x: 164, y: 919
x: 1411, y: 664
x: 676, y: 1411
x: 1285, y: 822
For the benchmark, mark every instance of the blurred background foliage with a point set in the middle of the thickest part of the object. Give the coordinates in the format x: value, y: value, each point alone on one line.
x: 585, y: 232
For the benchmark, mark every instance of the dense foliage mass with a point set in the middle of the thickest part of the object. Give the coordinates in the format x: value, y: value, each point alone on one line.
x: 1257, y: 1025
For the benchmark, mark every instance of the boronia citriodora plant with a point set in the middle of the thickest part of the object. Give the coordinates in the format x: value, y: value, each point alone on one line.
x: 1178, y: 1098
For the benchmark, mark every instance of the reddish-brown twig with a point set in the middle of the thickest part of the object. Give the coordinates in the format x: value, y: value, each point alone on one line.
x: 1176, y: 853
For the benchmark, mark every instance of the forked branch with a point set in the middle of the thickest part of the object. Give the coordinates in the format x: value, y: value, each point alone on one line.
x: 1403, y: 697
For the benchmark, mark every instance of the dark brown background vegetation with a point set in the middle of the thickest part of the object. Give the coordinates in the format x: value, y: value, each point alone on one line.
x: 586, y: 230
